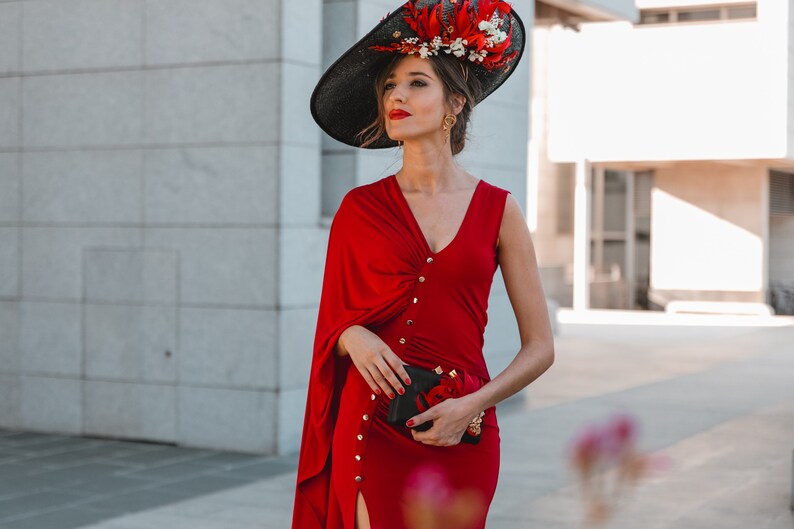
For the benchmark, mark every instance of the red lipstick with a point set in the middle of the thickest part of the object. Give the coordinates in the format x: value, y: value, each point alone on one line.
x: 398, y: 114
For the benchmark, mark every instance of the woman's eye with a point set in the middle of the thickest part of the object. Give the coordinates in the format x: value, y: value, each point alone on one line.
x: 391, y: 85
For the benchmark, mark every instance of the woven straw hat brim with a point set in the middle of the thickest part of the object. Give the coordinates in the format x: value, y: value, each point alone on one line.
x: 344, y: 101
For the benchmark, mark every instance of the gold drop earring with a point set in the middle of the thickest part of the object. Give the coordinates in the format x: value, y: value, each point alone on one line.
x: 449, y: 122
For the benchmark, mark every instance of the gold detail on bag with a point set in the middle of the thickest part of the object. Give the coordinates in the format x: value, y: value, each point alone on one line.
x: 475, y: 426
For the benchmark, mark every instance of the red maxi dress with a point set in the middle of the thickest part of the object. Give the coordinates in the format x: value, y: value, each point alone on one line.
x: 430, y: 308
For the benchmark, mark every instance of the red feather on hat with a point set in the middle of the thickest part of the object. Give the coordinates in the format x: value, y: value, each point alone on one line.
x: 428, y: 23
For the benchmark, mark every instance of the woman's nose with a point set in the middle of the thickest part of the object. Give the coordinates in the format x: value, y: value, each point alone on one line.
x: 396, y: 94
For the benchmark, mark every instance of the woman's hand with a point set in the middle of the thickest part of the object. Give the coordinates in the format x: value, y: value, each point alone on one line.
x: 450, y: 420
x: 375, y: 360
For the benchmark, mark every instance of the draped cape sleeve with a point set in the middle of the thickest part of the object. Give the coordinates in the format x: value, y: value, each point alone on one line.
x: 369, y: 270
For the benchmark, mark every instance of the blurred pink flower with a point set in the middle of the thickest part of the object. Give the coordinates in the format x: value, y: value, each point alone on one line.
x: 618, y: 436
x: 431, y: 502
x: 430, y: 483
x: 596, y: 449
x: 586, y: 449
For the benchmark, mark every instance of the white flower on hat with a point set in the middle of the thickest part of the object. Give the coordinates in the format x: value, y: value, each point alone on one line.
x: 491, y: 28
x: 458, y: 47
x: 474, y: 56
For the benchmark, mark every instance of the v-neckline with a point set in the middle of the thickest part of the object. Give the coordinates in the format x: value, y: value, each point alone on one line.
x: 415, y: 222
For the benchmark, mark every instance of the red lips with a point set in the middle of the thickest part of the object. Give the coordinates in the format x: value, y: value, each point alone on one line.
x: 398, y: 114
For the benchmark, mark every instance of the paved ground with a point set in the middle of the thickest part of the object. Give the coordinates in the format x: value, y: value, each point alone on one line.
x: 715, y: 396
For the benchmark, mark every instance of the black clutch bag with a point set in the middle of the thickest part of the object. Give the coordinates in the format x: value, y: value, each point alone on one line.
x: 423, y: 382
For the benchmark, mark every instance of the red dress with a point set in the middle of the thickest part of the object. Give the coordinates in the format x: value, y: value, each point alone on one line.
x: 430, y: 308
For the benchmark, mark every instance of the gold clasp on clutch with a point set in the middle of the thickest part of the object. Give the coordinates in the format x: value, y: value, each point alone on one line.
x: 475, y: 426
x: 438, y: 370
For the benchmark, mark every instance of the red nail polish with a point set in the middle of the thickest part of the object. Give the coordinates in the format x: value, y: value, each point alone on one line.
x: 377, y: 391
x: 401, y: 391
x: 391, y: 395
x: 408, y: 381
x: 410, y: 422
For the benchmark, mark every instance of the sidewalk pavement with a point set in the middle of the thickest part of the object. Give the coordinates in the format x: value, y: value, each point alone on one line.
x: 715, y: 395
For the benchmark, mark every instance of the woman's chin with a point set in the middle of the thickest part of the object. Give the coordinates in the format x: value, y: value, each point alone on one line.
x: 396, y: 137
x: 414, y: 138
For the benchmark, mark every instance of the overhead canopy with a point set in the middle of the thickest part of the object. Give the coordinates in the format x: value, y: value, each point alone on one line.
x: 572, y: 12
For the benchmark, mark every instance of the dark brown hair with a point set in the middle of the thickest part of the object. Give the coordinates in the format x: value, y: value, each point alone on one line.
x: 456, y: 78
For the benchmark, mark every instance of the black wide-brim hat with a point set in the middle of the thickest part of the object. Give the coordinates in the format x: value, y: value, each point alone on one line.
x: 344, y: 101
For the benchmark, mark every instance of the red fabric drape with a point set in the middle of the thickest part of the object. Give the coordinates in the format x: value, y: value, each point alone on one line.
x: 359, y: 287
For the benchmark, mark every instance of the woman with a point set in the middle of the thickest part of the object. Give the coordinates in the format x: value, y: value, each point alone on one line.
x: 411, y: 258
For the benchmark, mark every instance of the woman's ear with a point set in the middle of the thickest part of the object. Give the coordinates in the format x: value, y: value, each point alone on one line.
x: 458, y: 102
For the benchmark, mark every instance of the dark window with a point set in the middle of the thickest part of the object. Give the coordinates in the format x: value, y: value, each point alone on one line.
x: 654, y: 18
x: 674, y: 15
x: 704, y: 14
x: 781, y: 194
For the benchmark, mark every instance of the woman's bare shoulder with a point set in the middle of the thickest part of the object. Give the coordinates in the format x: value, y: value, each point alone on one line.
x: 512, y: 219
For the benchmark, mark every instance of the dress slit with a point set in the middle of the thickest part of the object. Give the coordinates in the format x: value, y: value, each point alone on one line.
x: 355, y: 510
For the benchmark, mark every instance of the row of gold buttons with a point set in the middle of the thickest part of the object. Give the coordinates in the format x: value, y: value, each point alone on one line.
x: 360, y: 436
x: 402, y: 340
x: 421, y: 279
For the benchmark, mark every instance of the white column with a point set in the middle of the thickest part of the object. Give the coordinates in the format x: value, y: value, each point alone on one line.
x: 765, y: 241
x: 581, y: 237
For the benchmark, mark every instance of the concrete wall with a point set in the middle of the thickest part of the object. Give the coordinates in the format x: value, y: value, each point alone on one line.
x: 164, y: 208
x: 707, y: 232
x: 159, y: 176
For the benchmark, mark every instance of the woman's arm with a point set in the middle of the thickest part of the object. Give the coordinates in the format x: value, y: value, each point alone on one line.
x: 516, y: 256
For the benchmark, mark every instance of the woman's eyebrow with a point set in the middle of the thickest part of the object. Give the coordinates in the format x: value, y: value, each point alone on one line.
x: 410, y: 73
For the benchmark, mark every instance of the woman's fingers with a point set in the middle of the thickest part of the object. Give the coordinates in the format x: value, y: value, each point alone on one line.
x: 389, y: 381
x: 369, y: 379
x: 377, y: 363
x: 396, y: 363
x: 381, y: 381
x: 375, y: 377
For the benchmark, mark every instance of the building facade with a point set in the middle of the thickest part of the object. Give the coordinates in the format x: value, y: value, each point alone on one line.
x: 662, y: 158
